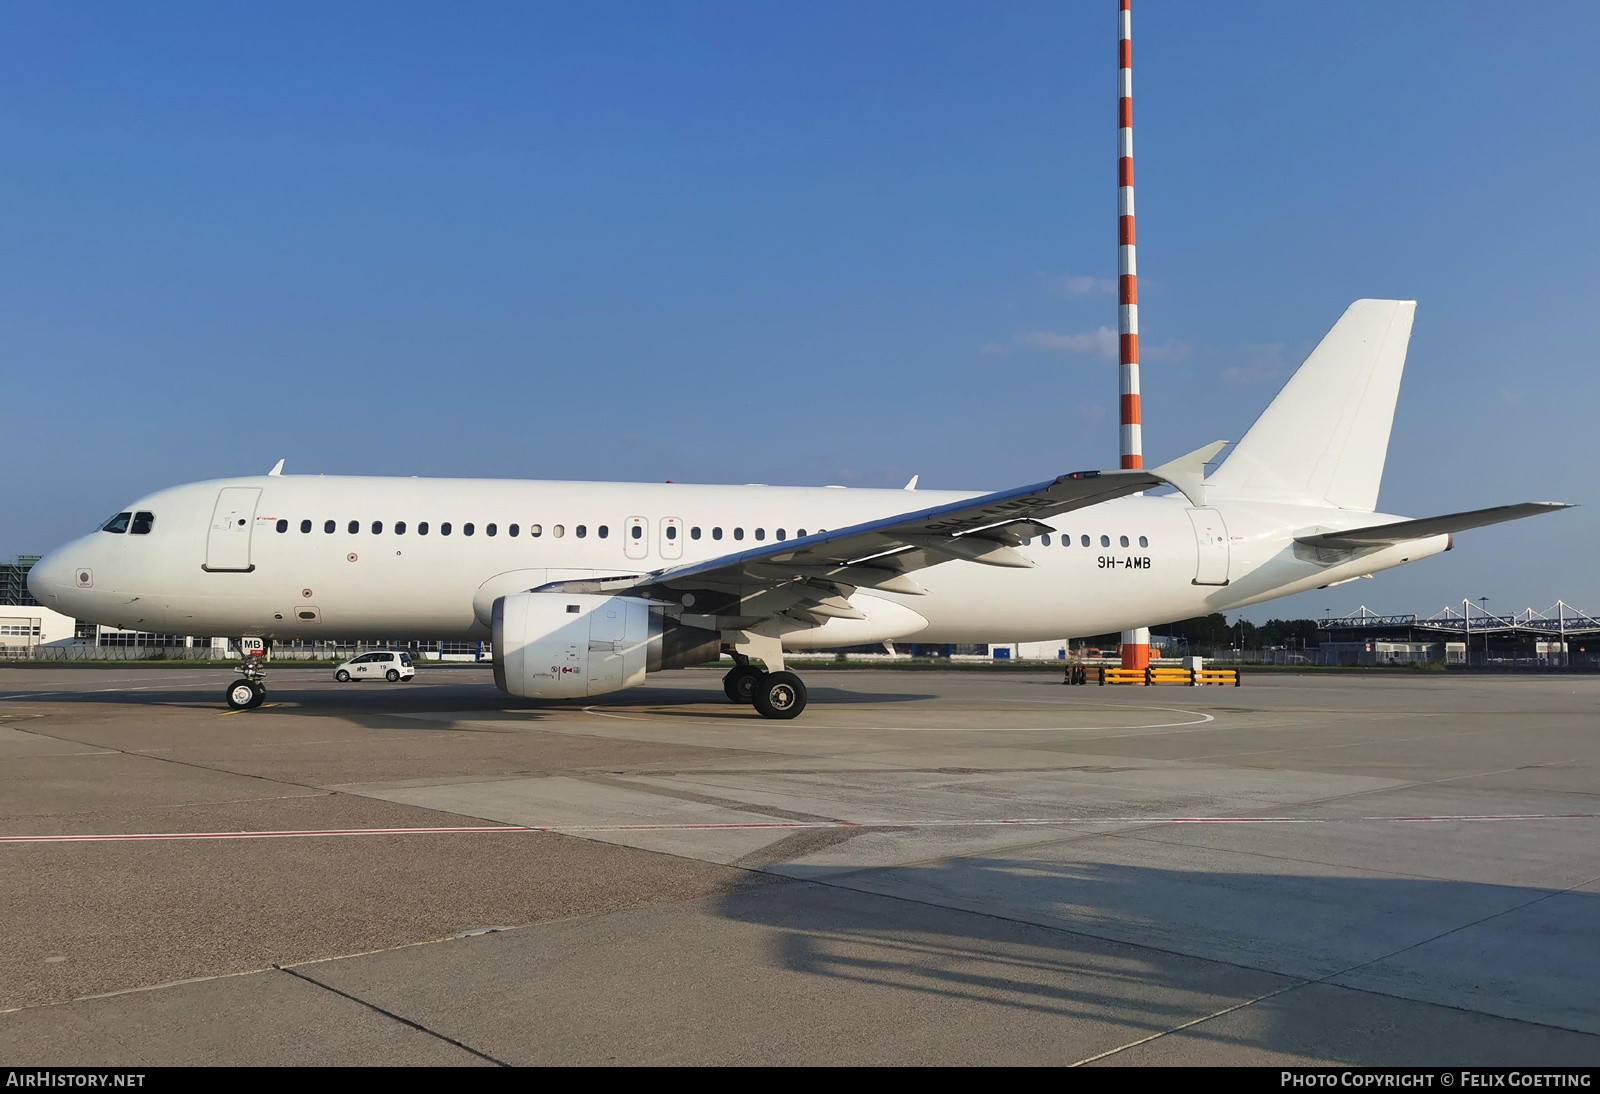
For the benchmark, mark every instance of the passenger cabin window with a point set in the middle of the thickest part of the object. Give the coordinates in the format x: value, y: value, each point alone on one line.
x: 583, y: 531
x: 117, y: 524
x: 535, y: 530
x: 377, y: 527
x: 328, y: 526
x: 557, y: 530
x: 603, y: 531
x: 694, y: 533
x: 513, y: 530
x: 1105, y: 541
x: 444, y: 528
x: 761, y: 533
x: 354, y: 527
x: 283, y: 526
x: 1143, y: 542
x: 716, y: 533
x: 490, y: 529
x: 672, y: 532
x: 1045, y: 539
x: 467, y: 529
x: 422, y: 528
x: 801, y: 532
x: 399, y: 527
x: 305, y: 526
x: 1085, y: 541
x: 738, y: 533
x: 141, y: 523
x: 1124, y: 541
x: 636, y: 532
x: 780, y: 534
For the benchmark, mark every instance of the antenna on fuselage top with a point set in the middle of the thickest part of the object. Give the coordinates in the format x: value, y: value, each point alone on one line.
x: 277, y: 468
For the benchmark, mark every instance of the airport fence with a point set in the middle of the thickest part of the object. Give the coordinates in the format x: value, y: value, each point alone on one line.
x: 115, y: 653
x: 87, y: 652
x: 1261, y: 657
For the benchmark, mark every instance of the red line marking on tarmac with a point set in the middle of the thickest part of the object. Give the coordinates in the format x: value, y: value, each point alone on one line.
x: 124, y: 837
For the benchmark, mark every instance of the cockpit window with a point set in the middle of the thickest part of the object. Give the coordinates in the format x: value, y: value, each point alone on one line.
x: 142, y: 522
x: 117, y: 524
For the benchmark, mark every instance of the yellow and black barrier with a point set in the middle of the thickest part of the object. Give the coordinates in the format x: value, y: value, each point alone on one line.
x: 1152, y: 675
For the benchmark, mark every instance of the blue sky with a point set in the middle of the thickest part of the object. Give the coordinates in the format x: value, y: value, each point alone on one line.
x: 791, y: 243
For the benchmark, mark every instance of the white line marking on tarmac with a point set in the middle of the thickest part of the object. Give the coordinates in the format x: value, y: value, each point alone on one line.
x: 1009, y: 822
x: 1201, y: 719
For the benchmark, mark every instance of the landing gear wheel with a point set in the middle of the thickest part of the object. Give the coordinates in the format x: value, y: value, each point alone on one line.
x: 740, y: 683
x: 342, y: 676
x: 780, y: 695
x: 393, y: 676
x: 244, y: 694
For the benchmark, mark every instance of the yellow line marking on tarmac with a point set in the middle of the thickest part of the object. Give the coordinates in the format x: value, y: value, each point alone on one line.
x: 241, y: 710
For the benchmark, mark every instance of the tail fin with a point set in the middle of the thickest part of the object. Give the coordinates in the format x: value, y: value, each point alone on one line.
x: 1324, y: 438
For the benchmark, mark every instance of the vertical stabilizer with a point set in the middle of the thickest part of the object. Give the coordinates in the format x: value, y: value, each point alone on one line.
x: 1324, y: 439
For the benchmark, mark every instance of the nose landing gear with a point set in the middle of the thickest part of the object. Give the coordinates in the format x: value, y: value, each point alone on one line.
x: 251, y: 688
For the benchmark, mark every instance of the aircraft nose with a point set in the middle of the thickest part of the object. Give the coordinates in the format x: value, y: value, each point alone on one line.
x: 49, y: 578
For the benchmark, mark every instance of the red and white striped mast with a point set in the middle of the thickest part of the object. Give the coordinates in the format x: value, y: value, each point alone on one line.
x: 1136, y: 642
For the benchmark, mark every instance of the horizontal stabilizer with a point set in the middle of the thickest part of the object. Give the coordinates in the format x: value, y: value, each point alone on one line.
x: 1382, y: 535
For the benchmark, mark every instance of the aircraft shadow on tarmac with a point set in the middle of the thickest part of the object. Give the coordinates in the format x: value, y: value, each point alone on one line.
x: 1119, y: 943
x: 294, y: 697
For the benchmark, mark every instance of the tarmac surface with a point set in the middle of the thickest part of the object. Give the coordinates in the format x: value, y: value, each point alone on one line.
x: 925, y: 867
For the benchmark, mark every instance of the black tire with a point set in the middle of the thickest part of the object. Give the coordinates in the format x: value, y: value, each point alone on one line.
x: 780, y: 695
x: 243, y: 694
x: 740, y: 684
x: 393, y: 676
x: 342, y: 676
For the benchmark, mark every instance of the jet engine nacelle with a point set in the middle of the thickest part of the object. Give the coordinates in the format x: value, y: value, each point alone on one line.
x: 564, y: 645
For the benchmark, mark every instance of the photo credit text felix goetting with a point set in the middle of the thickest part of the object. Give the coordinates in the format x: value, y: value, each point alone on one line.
x: 1425, y: 1078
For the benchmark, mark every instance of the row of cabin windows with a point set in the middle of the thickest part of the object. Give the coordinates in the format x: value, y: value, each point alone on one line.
x: 1086, y: 541
x: 602, y: 531
x: 140, y: 523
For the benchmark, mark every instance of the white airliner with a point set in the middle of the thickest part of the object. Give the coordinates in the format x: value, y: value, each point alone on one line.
x: 584, y: 588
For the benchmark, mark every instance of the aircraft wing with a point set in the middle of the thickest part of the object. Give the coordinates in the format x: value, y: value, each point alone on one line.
x: 810, y: 578
x: 1382, y: 535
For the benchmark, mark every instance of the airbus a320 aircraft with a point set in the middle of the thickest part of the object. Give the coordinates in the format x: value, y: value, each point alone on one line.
x: 585, y: 588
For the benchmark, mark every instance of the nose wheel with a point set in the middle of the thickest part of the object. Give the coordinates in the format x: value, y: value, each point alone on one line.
x: 244, y: 694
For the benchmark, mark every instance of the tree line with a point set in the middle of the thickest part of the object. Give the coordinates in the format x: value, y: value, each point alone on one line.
x: 1205, y: 633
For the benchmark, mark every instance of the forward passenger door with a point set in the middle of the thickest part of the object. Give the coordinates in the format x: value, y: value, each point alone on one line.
x: 232, y: 521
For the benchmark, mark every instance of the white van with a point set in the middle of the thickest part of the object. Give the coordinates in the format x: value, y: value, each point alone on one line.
x: 381, y: 665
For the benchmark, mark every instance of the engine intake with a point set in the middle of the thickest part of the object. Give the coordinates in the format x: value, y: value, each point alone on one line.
x: 563, y: 645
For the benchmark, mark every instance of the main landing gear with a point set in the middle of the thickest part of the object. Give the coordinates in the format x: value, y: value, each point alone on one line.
x: 774, y: 694
x: 250, y: 690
